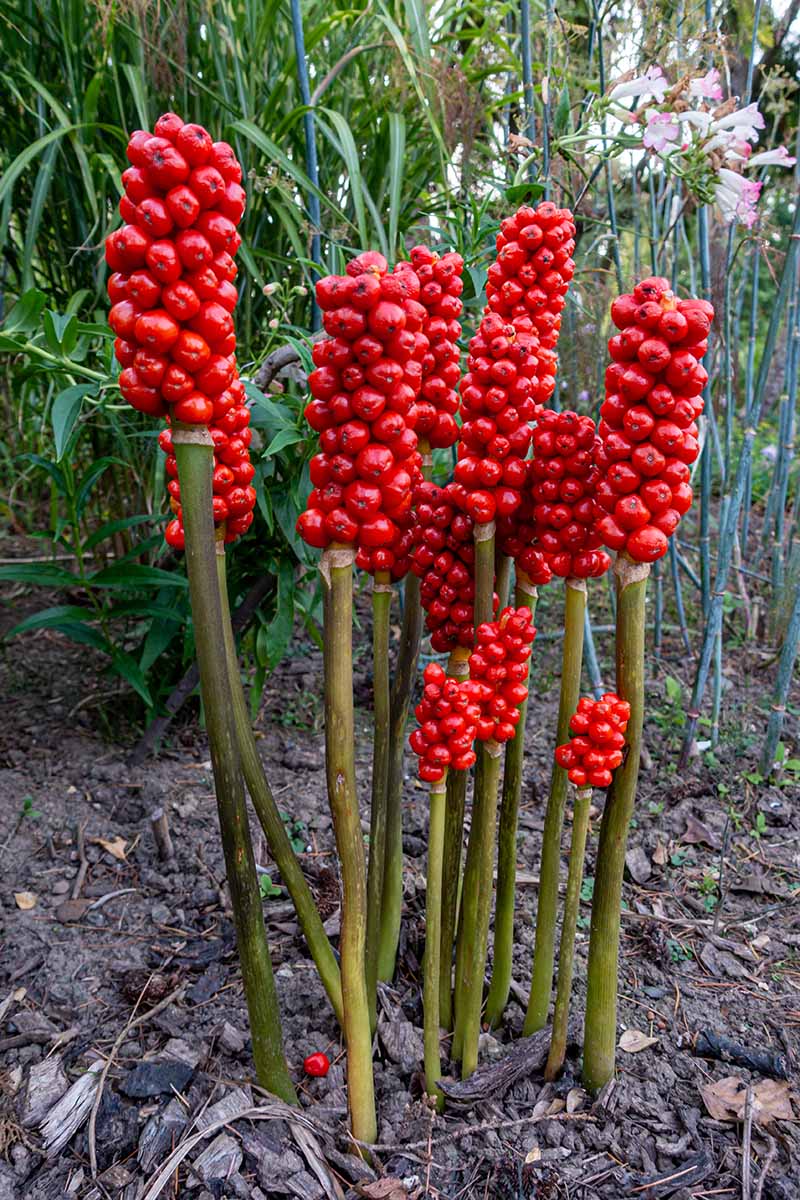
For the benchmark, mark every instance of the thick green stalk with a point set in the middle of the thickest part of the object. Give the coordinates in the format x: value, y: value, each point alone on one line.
x: 502, y: 579
x: 193, y: 450
x: 336, y: 569
x: 476, y: 909
x: 479, y: 868
x: 566, y: 949
x: 547, y: 909
x: 451, y: 864
x: 400, y: 700
x: 274, y: 829
x: 405, y: 673
x: 524, y: 593
x: 433, y: 921
x: 783, y: 679
x: 381, y: 610
x: 601, y: 989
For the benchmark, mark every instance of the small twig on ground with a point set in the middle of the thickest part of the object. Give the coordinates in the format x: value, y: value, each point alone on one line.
x: 706, y: 1044
x: 466, y: 1130
x: 132, y: 1023
x: 772, y: 1154
x: 747, y: 1136
x: 84, y: 867
x: 160, y: 826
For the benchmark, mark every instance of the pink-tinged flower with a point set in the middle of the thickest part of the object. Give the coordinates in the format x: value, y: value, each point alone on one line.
x: 772, y: 158
x: 697, y: 118
x: 737, y: 197
x: 662, y: 132
x: 744, y: 121
x: 707, y: 87
x: 652, y: 84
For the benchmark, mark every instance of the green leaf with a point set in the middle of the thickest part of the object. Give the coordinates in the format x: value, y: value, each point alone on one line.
x: 53, y: 618
x: 673, y: 689
x: 397, y: 148
x: 40, y: 575
x: 60, y: 331
x: 111, y: 527
x: 286, y: 437
x: 128, y: 669
x: 135, y: 575
x: 279, y: 630
x: 159, y: 636
x: 26, y: 314
x: 89, y: 479
x: 64, y: 414
x: 562, y: 118
x: 517, y: 192
x: 344, y: 142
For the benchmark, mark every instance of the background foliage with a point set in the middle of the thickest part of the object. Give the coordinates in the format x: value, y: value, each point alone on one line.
x: 421, y: 112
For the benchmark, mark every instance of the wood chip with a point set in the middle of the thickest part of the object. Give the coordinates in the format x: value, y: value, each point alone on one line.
x: 67, y: 1116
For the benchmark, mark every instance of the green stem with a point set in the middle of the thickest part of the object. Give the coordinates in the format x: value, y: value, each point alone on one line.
x: 524, y: 594
x: 381, y: 609
x: 484, y: 572
x: 502, y: 579
x: 337, y: 574
x: 405, y: 673
x: 566, y: 950
x: 267, y: 812
x: 433, y: 915
x: 547, y: 910
x: 452, y: 856
x: 601, y: 986
x: 194, y: 472
x: 477, y: 906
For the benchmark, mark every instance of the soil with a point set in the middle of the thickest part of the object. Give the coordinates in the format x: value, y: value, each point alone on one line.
x: 699, y: 953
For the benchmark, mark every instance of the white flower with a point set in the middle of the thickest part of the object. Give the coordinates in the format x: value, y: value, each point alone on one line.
x: 707, y: 87
x: 652, y: 83
x: 745, y: 121
x: 661, y: 132
x: 772, y: 158
x: 696, y: 117
x: 737, y: 197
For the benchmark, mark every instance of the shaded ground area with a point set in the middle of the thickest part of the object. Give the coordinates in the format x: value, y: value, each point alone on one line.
x: 97, y: 932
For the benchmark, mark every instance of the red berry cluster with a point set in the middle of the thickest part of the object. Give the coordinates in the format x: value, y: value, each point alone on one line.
x: 443, y: 556
x: 530, y: 278
x: 440, y: 291
x: 173, y: 296
x: 499, y: 667
x: 648, y: 430
x: 512, y: 359
x: 365, y: 385
x: 563, y: 481
x: 596, y: 750
x: 448, y: 716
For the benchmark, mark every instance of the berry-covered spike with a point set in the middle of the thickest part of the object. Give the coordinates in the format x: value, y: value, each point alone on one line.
x: 441, y: 286
x: 648, y: 428
x: 448, y: 716
x: 498, y: 665
x: 594, y: 751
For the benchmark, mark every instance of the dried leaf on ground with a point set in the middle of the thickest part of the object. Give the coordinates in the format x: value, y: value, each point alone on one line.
x: 25, y: 900
x: 697, y: 833
x: 115, y: 847
x: 725, y: 1100
x: 634, y: 1040
x: 389, y: 1188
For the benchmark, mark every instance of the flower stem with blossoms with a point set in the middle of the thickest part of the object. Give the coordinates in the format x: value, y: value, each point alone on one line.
x: 194, y: 452
x: 267, y: 812
x: 547, y: 910
x: 601, y: 987
x: 524, y: 594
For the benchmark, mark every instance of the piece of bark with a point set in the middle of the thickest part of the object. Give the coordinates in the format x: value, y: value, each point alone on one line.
x: 681, y: 1178
x: 227, y: 1109
x: 492, y: 1081
x: 161, y: 835
x: 220, y: 1159
x: 156, y: 1079
x: 67, y: 1116
x: 47, y: 1083
x: 160, y: 1134
x: 764, y: 1061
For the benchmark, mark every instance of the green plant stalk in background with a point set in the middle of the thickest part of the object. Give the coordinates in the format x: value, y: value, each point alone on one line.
x: 452, y: 859
x: 400, y: 700
x: 524, y: 594
x: 547, y: 909
x: 194, y: 472
x: 566, y: 949
x: 381, y: 611
x: 783, y: 680
x: 433, y: 916
x: 478, y: 885
x: 266, y: 809
x: 336, y: 569
x: 602, y: 983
